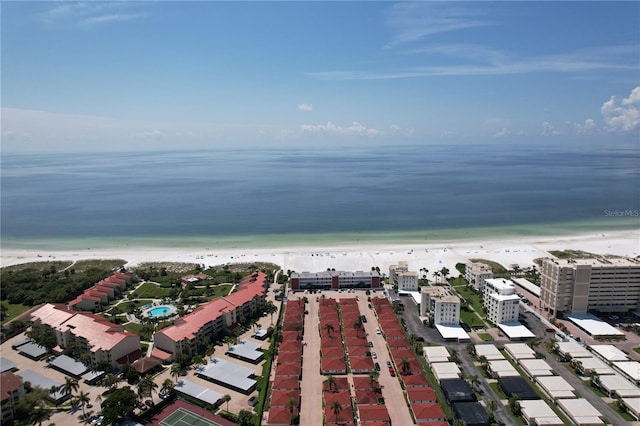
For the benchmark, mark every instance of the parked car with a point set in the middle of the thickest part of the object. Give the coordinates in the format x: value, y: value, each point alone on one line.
x: 392, y: 372
x: 374, y: 355
x: 377, y: 366
x: 370, y: 344
x: 389, y: 364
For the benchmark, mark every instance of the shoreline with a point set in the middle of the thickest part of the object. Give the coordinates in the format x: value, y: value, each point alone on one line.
x: 355, y: 255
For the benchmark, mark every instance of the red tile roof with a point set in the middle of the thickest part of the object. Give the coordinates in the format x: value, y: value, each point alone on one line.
x: 279, y: 416
x: 145, y: 364
x: 363, y: 382
x: 414, y: 380
x: 343, y: 397
x: 333, y: 352
x: 341, y: 384
x: 280, y: 397
x: 334, y: 365
x: 9, y: 382
x: 373, y: 413
x: 345, y: 417
x: 421, y: 394
x: 361, y: 364
x: 367, y: 397
x: 431, y: 411
x: 188, y: 326
x: 286, y: 382
x: 160, y: 354
x: 98, y: 331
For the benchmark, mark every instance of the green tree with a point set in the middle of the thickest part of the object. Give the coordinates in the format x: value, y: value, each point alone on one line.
x: 167, y: 387
x: 330, y: 382
x: 226, y: 398
x: 119, y: 404
x: 357, y: 324
x: 176, y: 371
x: 405, y: 366
x: 70, y: 386
x: 246, y: 418
x: 337, y: 409
x: 270, y: 309
x: 328, y: 328
x: 83, y: 399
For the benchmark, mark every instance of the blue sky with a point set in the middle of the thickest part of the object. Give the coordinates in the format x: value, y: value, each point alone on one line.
x: 98, y: 76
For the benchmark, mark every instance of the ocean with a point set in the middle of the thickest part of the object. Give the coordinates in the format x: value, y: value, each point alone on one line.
x: 270, y: 196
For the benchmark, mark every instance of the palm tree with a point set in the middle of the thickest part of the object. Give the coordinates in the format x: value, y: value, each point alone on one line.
x: 436, y: 275
x: 228, y: 340
x: 444, y: 272
x: 176, y: 370
x: 373, y: 379
x: 83, y: 399
x: 328, y: 328
x: 271, y: 309
x: 167, y: 386
x: 111, y: 381
x: 38, y: 415
x: 226, y: 399
x: 357, y: 324
x: 291, y: 406
x: 70, y: 386
x: 493, y: 406
x: 210, y: 351
x: 405, y: 366
x: 514, y: 406
x: 455, y: 357
x: 197, y: 359
x: 330, y: 382
x: 336, y: 408
x: 474, y: 382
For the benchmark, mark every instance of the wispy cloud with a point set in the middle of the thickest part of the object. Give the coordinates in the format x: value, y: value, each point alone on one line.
x: 354, y: 129
x: 88, y: 14
x: 416, y: 21
x: 499, y: 63
x: 305, y: 107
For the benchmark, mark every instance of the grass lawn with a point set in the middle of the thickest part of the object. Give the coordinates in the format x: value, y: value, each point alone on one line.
x: 628, y: 417
x: 124, y: 306
x: 14, y: 310
x: 219, y: 291
x: 495, y: 266
x: 470, y: 296
x: 637, y: 349
x: 150, y: 290
x: 470, y: 318
x: 485, y: 337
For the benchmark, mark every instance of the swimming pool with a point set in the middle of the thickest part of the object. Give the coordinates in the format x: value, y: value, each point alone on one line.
x: 161, y: 311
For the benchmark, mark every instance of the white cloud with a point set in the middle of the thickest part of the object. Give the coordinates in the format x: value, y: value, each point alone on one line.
x: 88, y: 14
x: 623, y: 116
x: 502, y: 133
x: 305, y: 107
x: 354, y: 129
x: 415, y: 21
x: 549, y: 130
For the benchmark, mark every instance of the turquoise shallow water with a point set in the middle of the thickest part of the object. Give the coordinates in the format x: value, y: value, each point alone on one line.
x: 328, y: 239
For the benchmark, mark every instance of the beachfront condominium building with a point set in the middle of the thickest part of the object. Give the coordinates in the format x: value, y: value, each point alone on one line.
x: 476, y: 273
x: 580, y: 285
x: 11, y: 390
x: 104, y: 340
x: 440, y: 305
x: 327, y: 280
x: 501, y: 301
x: 101, y: 293
x: 211, y: 318
x: 407, y: 281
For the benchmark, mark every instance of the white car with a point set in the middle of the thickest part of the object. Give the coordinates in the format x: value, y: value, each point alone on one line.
x: 374, y: 355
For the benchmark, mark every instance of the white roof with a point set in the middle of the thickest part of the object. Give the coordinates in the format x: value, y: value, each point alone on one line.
x: 503, y: 368
x: 538, y: 410
x: 197, y: 391
x: 632, y: 403
x: 536, y: 367
x: 620, y: 385
x: 452, y: 332
x: 489, y: 351
x: 230, y: 373
x: 69, y: 365
x: 38, y: 380
x: 519, y: 350
x: 630, y: 368
x: 247, y: 349
x: 445, y: 370
x: 581, y: 411
x: 499, y: 283
x: 515, y: 330
x: 527, y: 285
x: 595, y: 364
x: 435, y: 354
x: 573, y: 349
x: 556, y: 386
x: 593, y: 325
x: 6, y: 365
x: 609, y: 352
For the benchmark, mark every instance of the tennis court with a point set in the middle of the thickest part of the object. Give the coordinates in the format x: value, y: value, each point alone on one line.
x: 182, y: 417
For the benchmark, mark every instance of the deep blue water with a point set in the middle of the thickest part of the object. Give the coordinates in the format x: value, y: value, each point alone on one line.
x: 313, y: 191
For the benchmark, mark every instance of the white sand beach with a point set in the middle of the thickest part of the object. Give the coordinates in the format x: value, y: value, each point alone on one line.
x: 432, y: 255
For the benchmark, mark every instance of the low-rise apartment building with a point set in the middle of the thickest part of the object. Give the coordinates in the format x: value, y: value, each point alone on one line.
x: 335, y: 280
x: 11, y: 390
x: 101, y: 293
x: 104, y: 340
x: 580, y: 285
x: 501, y: 301
x: 476, y: 273
x: 213, y: 317
x: 401, y: 276
x: 439, y: 304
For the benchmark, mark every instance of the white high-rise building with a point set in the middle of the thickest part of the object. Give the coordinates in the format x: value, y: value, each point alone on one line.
x: 476, y: 273
x: 407, y: 281
x: 501, y: 301
x: 441, y: 305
